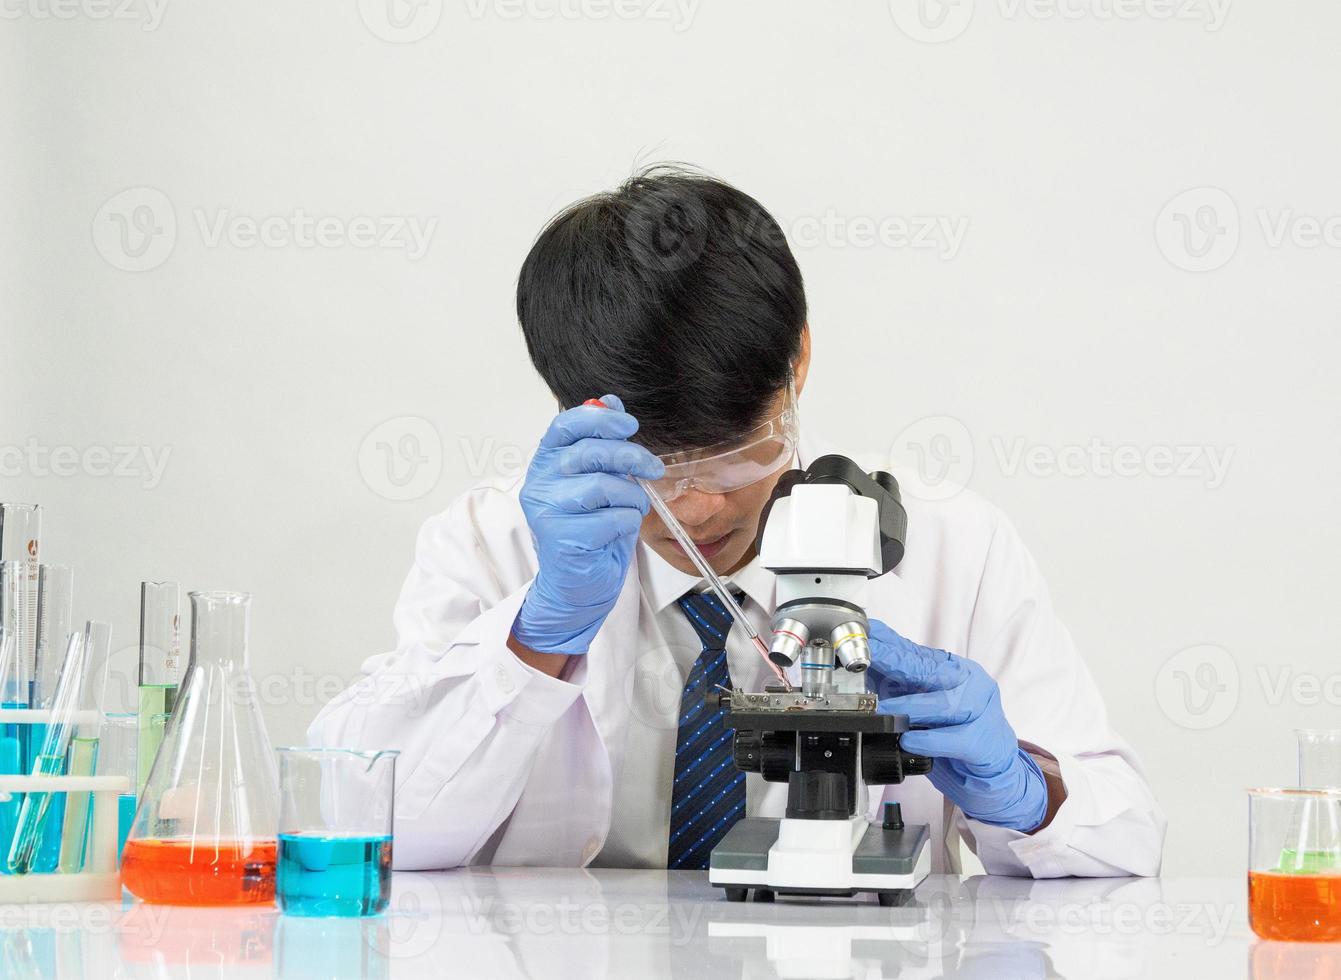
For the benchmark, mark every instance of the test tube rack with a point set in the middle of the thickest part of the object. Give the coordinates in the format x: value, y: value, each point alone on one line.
x: 100, y: 880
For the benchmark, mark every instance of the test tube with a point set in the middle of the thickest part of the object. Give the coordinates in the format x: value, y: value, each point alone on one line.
x: 160, y: 668
x: 55, y: 594
x: 16, y: 616
x: 50, y: 761
x: 20, y: 535
x: 84, y: 747
x: 15, y: 691
x: 11, y: 752
x: 118, y: 756
x: 55, y: 602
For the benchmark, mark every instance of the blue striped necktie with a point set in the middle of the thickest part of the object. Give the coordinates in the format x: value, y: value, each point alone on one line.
x: 708, y: 795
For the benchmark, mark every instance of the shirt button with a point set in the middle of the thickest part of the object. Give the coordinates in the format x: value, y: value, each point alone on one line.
x: 504, y: 679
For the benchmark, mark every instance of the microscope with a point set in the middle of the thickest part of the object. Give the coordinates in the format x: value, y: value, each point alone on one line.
x: 825, y: 532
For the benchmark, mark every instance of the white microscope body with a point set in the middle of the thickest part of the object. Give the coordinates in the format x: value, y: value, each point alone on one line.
x: 826, y: 533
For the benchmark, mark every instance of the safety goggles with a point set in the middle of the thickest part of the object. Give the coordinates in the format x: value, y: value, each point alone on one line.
x: 733, y: 465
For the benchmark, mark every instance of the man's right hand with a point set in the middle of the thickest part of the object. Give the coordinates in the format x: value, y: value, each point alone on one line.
x: 584, y: 512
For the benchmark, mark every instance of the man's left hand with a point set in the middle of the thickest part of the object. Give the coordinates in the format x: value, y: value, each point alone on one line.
x: 978, y: 763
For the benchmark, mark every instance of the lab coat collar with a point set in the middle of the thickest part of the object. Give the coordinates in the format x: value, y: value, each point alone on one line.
x: 662, y: 583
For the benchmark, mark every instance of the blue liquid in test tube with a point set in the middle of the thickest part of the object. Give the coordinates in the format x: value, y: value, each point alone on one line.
x: 11, y: 764
x: 49, y: 846
x: 19, y: 744
x: 125, y: 815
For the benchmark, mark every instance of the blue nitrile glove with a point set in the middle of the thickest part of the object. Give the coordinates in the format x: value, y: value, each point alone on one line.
x: 584, y: 514
x: 977, y: 762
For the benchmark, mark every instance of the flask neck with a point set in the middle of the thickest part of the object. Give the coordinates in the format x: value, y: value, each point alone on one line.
x: 220, y: 622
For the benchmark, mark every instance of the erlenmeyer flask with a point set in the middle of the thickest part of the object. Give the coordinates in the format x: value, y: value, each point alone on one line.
x: 205, y: 829
x: 1314, y: 842
x: 1319, y: 757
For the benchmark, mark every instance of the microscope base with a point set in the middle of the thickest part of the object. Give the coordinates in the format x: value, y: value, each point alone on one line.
x: 820, y: 857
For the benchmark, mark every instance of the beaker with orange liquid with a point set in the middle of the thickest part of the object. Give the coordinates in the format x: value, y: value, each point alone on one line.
x: 205, y: 829
x: 1294, y: 864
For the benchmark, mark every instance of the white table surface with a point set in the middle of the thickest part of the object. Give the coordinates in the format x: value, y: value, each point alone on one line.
x: 590, y: 925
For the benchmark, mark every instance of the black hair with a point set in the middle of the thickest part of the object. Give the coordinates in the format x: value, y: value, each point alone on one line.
x: 678, y: 293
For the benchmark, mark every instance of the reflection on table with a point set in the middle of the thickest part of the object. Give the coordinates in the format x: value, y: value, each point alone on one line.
x: 539, y: 923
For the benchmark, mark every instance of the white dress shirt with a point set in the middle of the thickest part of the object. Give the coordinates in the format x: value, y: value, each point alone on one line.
x: 501, y: 764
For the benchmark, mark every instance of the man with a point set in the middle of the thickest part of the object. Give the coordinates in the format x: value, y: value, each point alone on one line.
x: 553, y: 643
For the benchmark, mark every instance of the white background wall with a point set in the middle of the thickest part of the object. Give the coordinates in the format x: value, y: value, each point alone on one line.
x: 1069, y: 315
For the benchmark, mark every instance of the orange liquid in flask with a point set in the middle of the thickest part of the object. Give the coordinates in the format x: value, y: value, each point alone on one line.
x: 182, y: 872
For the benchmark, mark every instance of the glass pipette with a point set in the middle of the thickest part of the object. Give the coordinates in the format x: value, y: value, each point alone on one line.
x: 687, y: 544
x: 706, y: 570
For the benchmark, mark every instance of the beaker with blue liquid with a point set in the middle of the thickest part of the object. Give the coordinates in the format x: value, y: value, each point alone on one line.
x: 335, y: 830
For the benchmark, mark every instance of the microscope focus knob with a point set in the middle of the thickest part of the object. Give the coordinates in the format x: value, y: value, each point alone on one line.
x: 747, y: 751
x: 818, y: 796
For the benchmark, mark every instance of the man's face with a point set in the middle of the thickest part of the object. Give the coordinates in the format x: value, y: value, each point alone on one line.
x: 723, y: 525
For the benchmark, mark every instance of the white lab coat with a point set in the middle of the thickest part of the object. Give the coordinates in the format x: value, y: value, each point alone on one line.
x: 502, y: 765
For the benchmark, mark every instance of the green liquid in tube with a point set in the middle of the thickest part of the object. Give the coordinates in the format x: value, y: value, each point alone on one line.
x: 156, y: 702
x: 49, y: 849
x: 78, y: 807
x: 1309, y: 862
